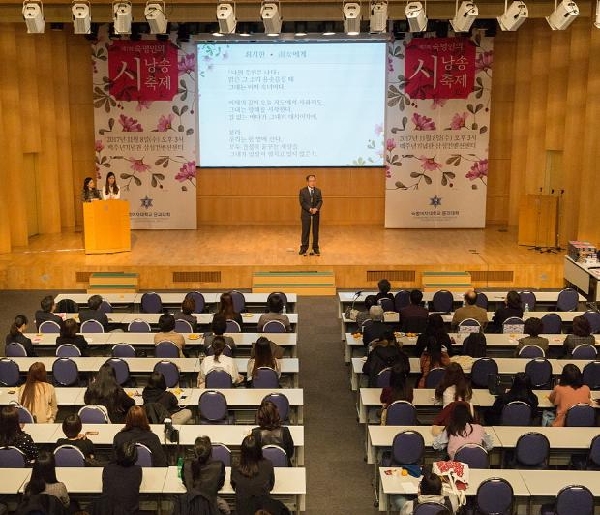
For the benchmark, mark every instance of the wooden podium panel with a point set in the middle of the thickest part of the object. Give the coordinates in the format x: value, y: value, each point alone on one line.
x: 537, y: 220
x: 107, y: 228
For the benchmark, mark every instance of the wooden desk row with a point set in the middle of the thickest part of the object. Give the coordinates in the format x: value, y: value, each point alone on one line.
x: 156, y: 481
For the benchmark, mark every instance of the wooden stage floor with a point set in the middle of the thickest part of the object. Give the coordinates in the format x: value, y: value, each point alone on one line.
x: 221, y: 257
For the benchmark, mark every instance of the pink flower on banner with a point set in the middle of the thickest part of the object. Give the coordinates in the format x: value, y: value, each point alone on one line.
x: 187, y: 64
x: 390, y: 64
x: 438, y: 102
x: 484, y: 61
x: 388, y: 172
x: 99, y: 145
x: 164, y: 123
x: 428, y: 164
x: 187, y: 172
x: 378, y: 129
x: 478, y: 171
x: 458, y: 121
x: 129, y: 124
x: 422, y: 122
x: 138, y: 165
x: 390, y: 144
x: 143, y: 104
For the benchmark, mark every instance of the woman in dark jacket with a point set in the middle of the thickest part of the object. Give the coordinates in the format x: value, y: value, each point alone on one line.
x: 519, y: 391
x: 512, y: 308
x: 107, y: 392
x: 156, y: 392
x: 385, y: 354
x: 15, y: 335
x: 435, y: 328
x: 69, y: 336
x: 137, y: 430
x: 270, y: 430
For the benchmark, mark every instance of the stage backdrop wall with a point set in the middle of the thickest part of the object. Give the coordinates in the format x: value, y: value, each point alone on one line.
x: 144, y: 102
x: 437, y: 132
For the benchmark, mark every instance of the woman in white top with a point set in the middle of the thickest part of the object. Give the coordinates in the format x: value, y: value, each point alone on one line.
x: 218, y: 361
x: 454, y: 386
x: 111, y: 190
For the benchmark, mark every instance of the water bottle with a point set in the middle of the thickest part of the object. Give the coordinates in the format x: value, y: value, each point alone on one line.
x: 427, y: 305
x: 284, y: 309
x: 526, y: 310
x: 179, y: 466
x: 464, y: 303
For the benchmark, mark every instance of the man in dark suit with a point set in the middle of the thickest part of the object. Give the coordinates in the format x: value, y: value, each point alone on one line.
x: 47, y: 312
x: 94, y: 313
x: 311, y: 201
x: 413, y: 318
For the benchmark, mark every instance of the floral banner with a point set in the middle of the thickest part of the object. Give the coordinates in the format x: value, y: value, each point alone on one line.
x: 144, y: 105
x: 437, y: 123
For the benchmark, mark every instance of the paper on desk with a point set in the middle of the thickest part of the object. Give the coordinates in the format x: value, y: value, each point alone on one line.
x: 408, y: 487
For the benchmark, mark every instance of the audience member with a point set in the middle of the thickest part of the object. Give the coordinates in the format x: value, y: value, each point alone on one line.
x: 275, y: 306
x: 188, y: 306
x: 218, y: 361
x: 276, y: 350
x: 431, y: 490
x: 218, y: 327
x: 68, y: 336
x: 384, y: 287
x: 15, y: 335
x: 533, y: 328
x: 363, y: 316
x: 470, y: 310
x: 581, y: 336
x: 166, y: 326
x: 226, y: 309
x: 475, y: 345
x: 376, y: 329
x: 204, y: 476
x: 433, y: 357
x: 461, y: 430
x: 399, y: 389
x: 385, y: 354
x: 47, y: 312
x: 413, y: 318
x: 156, y: 392
x: 454, y: 386
x: 44, y: 473
x: 38, y: 396
x: 270, y: 430
x: 11, y: 433
x: 263, y: 357
x: 520, y: 390
x: 512, y: 308
x: 71, y: 428
x: 94, y: 312
x: 105, y: 390
x: 568, y: 392
x: 435, y: 328
x: 137, y: 429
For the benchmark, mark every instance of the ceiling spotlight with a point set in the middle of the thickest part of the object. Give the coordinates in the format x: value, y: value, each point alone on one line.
x: 464, y: 17
x: 416, y: 16
x: 122, y: 17
x: 156, y: 17
x: 33, y: 14
x: 564, y: 14
x: 82, y: 18
x: 271, y: 17
x: 352, y: 18
x: 226, y: 17
x: 378, y: 16
x: 514, y: 16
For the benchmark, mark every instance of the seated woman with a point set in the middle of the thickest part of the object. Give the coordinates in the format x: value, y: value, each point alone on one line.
x: 263, y: 357
x: 218, y: 327
x: 533, y: 328
x: 512, y: 308
x: 519, y: 391
x: 38, y: 396
x: 156, y: 391
x: 433, y: 357
x: 568, y: 392
x: 201, y: 475
x: 399, y: 389
x: 137, y: 430
x: 15, y: 335
x: 454, y: 386
x: 253, y: 479
x: 11, y: 433
x: 89, y: 191
x: 385, y: 354
x: 218, y: 361
x: 71, y: 428
x: 105, y: 390
x: 166, y: 325
x: 435, y: 328
x: 431, y: 490
x: 226, y: 309
x: 581, y: 336
x: 68, y: 336
x: 460, y: 430
x: 275, y: 306
x: 44, y: 473
x: 188, y: 306
x: 270, y: 431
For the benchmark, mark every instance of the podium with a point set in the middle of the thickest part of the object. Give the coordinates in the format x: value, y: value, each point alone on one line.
x: 106, y: 226
x: 537, y: 220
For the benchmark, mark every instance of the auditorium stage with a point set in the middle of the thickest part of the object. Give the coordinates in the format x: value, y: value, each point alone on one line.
x: 221, y: 257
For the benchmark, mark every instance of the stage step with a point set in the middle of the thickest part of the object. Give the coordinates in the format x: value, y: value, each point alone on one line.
x: 453, y: 281
x: 108, y: 282
x: 300, y: 282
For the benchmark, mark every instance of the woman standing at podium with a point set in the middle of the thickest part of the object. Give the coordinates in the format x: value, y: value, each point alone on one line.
x: 111, y: 190
x: 89, y: 191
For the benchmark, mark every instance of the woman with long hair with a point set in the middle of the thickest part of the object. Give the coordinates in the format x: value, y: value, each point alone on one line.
x: 68, y: 336
x: 520, y: 390
x: 385, y: 353
x: 270, y: 431
x: 111, y: 190
x: 254, y: 477
x: 105, y: 390
x: 15, y: 335
x: 226, y: 309
x: 568, y: 392
x: 263, y: 357
x: 204, y: 476
x: 156, y: 391
x: 435, y: 328
x: 399, y: 389
x: 275, y: 306
x: 454, y: 386
x: 460, y: 430
x: 188, y: 306
x: 218, y: 361
x: 38, y: 396
x: 433, y: 357
x: 11, y: 433
x: 89, y: 191
x: 137, y: 429
x: 44, y: 472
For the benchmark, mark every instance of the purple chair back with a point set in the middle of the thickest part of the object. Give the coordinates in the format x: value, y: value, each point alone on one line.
x: 170, y: 371
x: 481, y: 370
x: 401, y: 413
x: 151, y: 303
x: 587, y: 351
x: 49, y: 327
x: 593, y: 317
x: 383, y: 378
x: 434, y: 377
x: 539, y: 371
x: 105, y: 307
x: 580, y: 415
x: 25, y: 416
x: 144, y: 455
x: 387, y: 304
x: 68, y: 350
x: 93, y: 414
x: 532, y: 450
x: 567, y: 300
x: 532, y: 351
x: 473, y: 455
x: 442, y: 301
x: 123, y: 350
x: 429, y: 508
x: 9, y: 372
x: 166, y: 349
x: 121, y: 369
x: 233, y: 327
x: 513, y: 325
x: 11, y: 457
x: 551, y: 324
x: 482, y: 300
x: 265, y: 378
x: 401, y: 299
x: 218, y: 379
x: 516, y: 413
x: 183, y: 326
x: 528, y: 297
x: 69, y: 456
x: 274, y: 326
x: 212, y: 407
x: 591, y: 375
x: 495, y: 496
x: 199, y: 301
x: 91, y: 326
x: 222, y: 453
x: 65, y: 372
x: 282, y: 403
x: 408, y: 448
x: 15, y: 350
x: 574, y: 499
x: 239, y: 301
x: 276, y: 455
x: 138, y: 326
